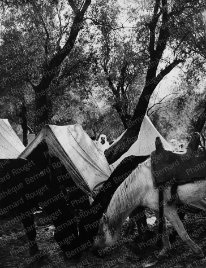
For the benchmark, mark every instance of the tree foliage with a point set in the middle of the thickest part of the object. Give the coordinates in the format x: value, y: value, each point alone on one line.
x: 115, y: 60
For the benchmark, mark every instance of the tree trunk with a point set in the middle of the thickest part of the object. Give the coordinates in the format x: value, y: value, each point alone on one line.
x: 42, y: 109
x: 42, y: 113
x: 202, y: 118
x: 156, y: 49
x: 24, y: 124
x: 200, y: 121
x: 123, y: 115
x: 118, y: 149
x: 112, y: 154
x: 124, y: 121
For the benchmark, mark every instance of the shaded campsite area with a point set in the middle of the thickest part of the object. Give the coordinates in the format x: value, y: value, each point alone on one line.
x: 102, y: 125
x: 13, y: 252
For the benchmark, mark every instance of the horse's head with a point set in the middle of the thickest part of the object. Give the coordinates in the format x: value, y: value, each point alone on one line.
x: 106, y: 237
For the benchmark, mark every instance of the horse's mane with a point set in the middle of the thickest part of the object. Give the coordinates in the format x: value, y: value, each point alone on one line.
x: 124, y: 199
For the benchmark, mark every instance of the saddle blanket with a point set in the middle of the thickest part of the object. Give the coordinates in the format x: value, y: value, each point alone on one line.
x: 169, y: 168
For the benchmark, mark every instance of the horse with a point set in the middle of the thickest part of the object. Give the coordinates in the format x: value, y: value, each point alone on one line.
x: 41, y: 181
x: 138, y: 190
x: 90, y: 222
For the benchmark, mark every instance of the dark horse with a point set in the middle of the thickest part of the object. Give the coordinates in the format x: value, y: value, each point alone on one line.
x: 41, y: 181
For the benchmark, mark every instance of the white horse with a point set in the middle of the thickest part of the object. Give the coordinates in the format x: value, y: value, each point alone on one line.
x: 138, y: 190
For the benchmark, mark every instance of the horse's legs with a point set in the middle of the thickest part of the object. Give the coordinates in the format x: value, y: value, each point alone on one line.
x: 181, y: 214
x: 139, y: 218
x: 132, y: 222
x: 166, y: 244
x: 29, y: 226
x: 200, y: 204
x: 172, y: 216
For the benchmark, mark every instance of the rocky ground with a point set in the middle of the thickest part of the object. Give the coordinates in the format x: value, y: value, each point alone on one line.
x: 126, y: 254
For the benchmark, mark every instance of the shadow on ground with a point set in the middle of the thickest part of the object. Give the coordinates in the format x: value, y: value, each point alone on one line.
x: 14, y: 253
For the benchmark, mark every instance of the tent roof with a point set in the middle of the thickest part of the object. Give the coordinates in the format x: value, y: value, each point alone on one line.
x: 10, y: 144
x: 71, y: 144
x: 145, y: 143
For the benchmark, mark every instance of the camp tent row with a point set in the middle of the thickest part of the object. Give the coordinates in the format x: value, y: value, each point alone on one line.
x: 85, y: 163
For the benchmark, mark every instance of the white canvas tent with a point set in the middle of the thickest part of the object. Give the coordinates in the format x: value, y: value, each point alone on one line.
x: 86, y: 164
x: 145, y: 143
x: 81, y: 157
x: 10, y: 144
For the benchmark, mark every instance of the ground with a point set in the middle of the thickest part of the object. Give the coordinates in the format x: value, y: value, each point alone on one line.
x: 13, y: 252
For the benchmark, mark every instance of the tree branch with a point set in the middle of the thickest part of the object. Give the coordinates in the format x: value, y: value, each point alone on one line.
x: 177, y: 12
x: 108, y: 77
x: 98, y: 23
x: 75, y: 28
x: 45, y: 29
x: 120, y: 84
x: 159, y: 102
x: 167, y: 69
x: 53, y: 65
x: 73, y: 6
x: 164, y: 31
x: 181, y: 41
x: 152, y: 27
x: 85, y: 6
x: 60, y: 28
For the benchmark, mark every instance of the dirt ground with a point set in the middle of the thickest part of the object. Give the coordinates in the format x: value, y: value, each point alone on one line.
x: 13, y: 252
